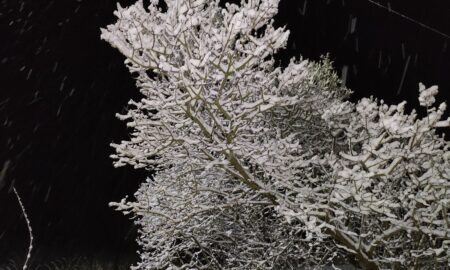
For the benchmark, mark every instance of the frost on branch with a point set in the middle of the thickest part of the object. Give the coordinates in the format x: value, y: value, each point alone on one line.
x: 262, y: 167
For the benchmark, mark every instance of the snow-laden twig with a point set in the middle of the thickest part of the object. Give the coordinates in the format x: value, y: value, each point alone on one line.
x: 30, y: 232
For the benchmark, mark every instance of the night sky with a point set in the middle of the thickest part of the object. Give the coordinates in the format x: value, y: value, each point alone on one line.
x: 60, y: 87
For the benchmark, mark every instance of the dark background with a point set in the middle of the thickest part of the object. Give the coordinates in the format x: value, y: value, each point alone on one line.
x: 60, y: 86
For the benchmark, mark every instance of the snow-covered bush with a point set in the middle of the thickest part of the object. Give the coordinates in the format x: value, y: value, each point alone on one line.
x: 383, y: 190
x: 261, y: 167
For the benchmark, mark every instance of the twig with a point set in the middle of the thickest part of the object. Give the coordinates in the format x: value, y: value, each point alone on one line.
x: 30, y: 247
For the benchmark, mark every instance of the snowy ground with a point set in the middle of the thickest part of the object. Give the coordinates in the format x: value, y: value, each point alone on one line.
x: 76, y: 261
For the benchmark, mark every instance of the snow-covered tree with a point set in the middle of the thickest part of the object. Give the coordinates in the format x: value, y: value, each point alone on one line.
x: 261, y: 167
